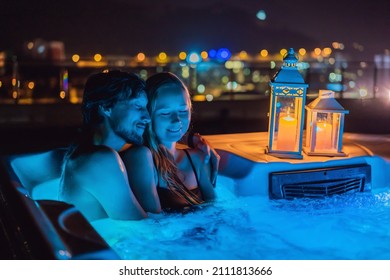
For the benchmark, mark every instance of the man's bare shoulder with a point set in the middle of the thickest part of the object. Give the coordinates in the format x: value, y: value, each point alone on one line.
x: 94, y: 157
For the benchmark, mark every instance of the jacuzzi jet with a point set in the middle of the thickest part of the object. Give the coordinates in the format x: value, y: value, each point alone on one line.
x: 317, y: 183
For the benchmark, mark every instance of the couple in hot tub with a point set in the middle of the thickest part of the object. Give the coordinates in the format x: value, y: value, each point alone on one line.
x: 127, y: 161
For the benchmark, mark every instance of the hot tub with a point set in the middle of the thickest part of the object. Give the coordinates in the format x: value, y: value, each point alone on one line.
x: 244, y: 158
x: 35, y: 225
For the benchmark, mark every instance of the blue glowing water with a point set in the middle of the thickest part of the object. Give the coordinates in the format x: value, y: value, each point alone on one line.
x: 354, y: 226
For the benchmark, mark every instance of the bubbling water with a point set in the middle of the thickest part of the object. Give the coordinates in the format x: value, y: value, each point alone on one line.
x: 353, y: 226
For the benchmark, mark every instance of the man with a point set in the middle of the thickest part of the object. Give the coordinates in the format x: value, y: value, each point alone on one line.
x: 94, y: 177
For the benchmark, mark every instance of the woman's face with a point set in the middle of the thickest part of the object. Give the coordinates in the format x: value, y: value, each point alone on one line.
x: 171, y: 114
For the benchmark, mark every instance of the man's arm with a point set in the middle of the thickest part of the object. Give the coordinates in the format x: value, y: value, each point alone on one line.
x: 104, y: 177
x: 196, y: 141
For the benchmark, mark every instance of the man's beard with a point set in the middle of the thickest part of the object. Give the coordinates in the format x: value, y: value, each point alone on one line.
x: 130, y: 136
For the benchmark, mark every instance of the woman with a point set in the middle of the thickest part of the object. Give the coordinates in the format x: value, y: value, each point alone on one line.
x: 162, y: 175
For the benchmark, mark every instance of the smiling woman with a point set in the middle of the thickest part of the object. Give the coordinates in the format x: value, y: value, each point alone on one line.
x: 171, y: 114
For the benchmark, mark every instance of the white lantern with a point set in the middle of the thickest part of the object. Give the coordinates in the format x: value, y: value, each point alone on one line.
x: 324, y: 126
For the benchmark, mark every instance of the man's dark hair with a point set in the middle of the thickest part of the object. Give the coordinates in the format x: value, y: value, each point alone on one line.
x: 105, y: 89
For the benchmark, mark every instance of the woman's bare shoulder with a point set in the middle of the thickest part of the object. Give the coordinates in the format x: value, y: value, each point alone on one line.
x: 138, y: 152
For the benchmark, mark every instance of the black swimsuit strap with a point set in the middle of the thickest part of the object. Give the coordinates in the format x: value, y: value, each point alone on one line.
x: 192, y: 165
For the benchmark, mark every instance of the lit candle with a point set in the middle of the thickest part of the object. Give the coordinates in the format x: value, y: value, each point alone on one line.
x: 324, y: 136
x: 287, y: 133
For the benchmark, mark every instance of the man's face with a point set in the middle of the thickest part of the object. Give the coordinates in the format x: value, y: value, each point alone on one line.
x: 129, y: 119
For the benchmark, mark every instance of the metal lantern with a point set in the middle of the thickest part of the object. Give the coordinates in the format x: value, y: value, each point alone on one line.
x: 286, y: 115
x: 324, y: 126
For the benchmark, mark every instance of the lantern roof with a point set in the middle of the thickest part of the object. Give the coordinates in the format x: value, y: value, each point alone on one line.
x: 326, y: 102
x: 289, y: 72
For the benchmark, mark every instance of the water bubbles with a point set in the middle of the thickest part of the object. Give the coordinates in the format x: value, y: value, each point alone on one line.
x: 349, y: 226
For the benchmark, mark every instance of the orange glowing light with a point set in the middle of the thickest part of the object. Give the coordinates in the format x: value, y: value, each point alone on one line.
x: 264, y: 53
x: 324, y: 136
x: 327, y: 51
x: 204, y: 55
x: 302, y: 51
x: 141, y: 57
x: 182, y: 55
x: 162, y: 56
x: 83, y: 63
x: 30, y: 45
x: 97, y: 57
x: 283, y: 52
x: 75, y: 58
x: 287, y: 133
x: 199, y: 98
x: 243, y: 55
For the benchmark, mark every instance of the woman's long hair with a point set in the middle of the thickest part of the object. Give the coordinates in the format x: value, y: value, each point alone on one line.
x: 163, y: 159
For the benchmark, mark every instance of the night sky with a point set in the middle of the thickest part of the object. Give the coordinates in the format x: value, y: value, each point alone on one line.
x: 125, y: 27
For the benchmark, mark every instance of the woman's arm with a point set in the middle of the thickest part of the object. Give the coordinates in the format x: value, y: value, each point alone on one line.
x: 142, y: 177
x: 204, y: 175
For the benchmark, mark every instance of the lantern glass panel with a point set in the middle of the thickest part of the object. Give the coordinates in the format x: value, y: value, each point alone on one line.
x: 309, y: 128
x: 288, y: 114
x: 327, y: 131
